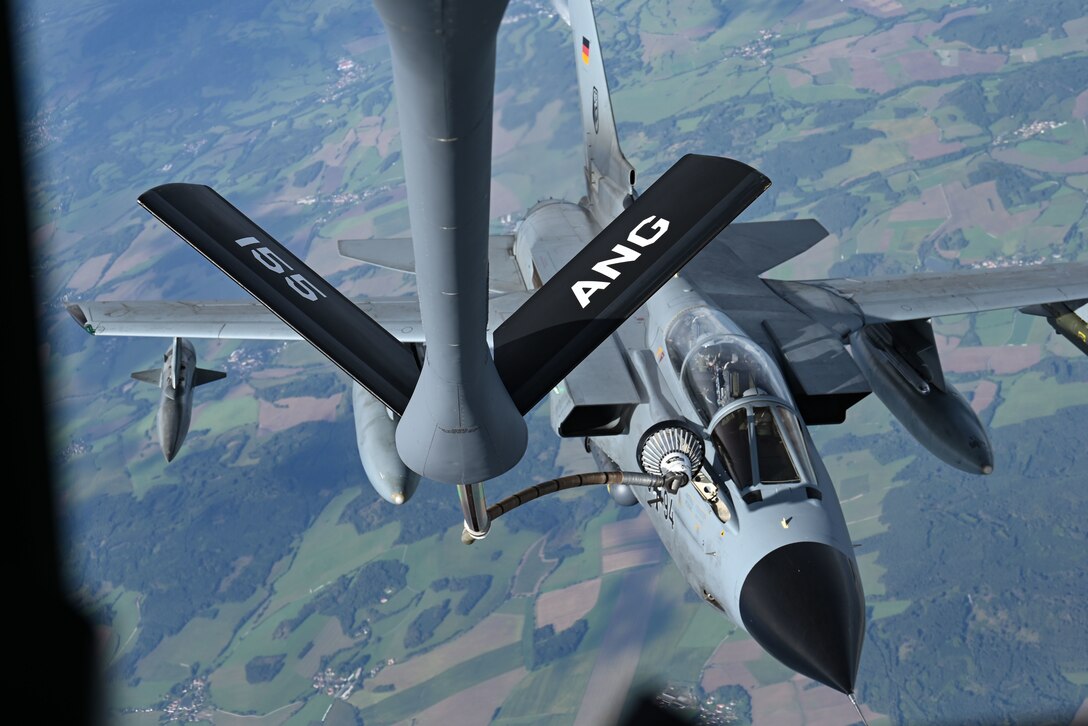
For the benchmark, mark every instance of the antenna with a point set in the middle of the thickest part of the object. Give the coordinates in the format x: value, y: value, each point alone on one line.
x: 855, y: 702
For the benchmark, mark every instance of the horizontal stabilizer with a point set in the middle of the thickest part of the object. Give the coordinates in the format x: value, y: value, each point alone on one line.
x: 266, y: 269
x: 151, y: 375
x: 396, y: 253
x: 618, y: 271
x: 203, y: 375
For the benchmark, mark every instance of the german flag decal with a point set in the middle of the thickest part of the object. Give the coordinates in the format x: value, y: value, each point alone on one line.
x: 585, y: 50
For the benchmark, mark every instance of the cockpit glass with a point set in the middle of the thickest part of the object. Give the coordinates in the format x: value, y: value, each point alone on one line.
x: 730, y: 438
x: 791, y: 432
x: 727, y: 368
x: 775, y: 464
x: 751, y: 445
x: 756, y: 442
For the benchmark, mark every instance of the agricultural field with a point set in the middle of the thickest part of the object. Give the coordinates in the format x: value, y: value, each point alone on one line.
x: 258, y: 578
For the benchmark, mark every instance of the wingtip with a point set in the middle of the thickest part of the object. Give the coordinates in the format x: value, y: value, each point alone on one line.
x: 78, y: 314
x: 165, y: 189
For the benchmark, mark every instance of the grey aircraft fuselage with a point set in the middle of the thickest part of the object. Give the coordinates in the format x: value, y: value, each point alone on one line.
x: 175, y: 397
x: 740, y: 544
x: 461, y: 425
x: 176, y: 379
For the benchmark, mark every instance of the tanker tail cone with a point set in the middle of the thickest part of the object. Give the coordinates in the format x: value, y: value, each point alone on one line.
x: 461, y: 425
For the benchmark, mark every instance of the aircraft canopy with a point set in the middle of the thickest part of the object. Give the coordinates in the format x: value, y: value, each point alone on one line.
x: 759, y: 441
x: 726, y: 368
x: 752, y: 443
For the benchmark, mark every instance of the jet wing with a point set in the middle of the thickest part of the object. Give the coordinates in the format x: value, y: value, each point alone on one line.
x: 251, y: 320
x: 848, y: 303
x: 806, y: 322
x: 242, y: 320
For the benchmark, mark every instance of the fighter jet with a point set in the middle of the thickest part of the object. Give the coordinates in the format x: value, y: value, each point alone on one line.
x: 177, y: 378
x: 644, y: 317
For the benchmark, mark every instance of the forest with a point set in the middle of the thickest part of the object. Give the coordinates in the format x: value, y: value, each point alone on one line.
x: 970, y: 642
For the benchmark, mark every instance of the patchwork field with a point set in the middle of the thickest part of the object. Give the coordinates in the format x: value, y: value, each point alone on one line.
x: 257, y: 579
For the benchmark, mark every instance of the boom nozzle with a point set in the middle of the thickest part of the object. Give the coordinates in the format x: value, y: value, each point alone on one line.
x: 854, y: 701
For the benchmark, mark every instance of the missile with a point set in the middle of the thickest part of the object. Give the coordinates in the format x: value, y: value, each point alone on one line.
x: 1067, y: 318
x: 375, y: 435
x: 177, y: 378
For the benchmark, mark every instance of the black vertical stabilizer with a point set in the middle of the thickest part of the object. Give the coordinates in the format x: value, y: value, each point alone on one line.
x: 295, y: 293
x: 619, y: 270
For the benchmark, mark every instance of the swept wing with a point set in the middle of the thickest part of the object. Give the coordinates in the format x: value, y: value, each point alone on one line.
x: 226, y: 320
x: 807, y: 323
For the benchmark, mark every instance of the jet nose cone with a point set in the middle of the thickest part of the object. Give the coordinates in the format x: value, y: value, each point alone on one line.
x: 803, y: 603
x: 170, y: 443
x: 169, y: 448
